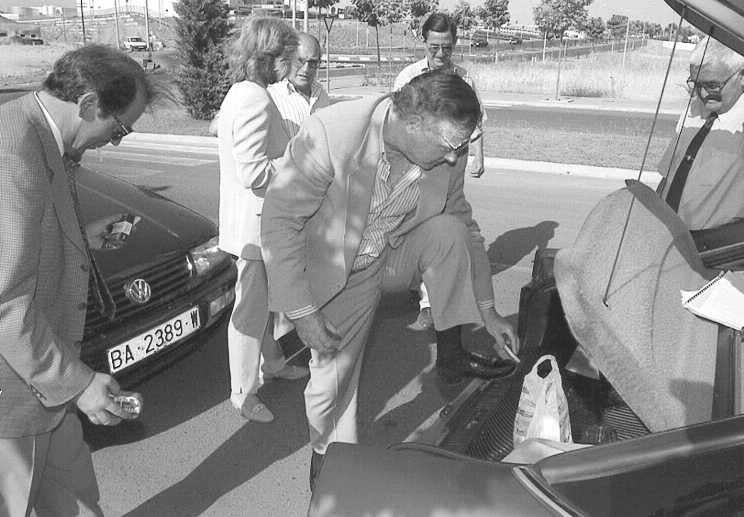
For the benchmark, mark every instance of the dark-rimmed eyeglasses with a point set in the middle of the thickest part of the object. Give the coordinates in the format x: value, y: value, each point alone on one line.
x: 457, y: 149
x: 311, y: 63
x: 709, y: 86
x: 434, y: 48
x: 121, y: 131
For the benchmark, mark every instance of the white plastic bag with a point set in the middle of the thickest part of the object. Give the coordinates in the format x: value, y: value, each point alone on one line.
x: 543, y: 408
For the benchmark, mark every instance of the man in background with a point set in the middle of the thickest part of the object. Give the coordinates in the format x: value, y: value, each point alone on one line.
x: 704, y: 172
x: 91, y: 98
x: 299, y: 95
x: 440, y: 35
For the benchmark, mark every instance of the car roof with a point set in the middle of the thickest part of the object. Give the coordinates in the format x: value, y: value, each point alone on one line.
x: 722, y: 19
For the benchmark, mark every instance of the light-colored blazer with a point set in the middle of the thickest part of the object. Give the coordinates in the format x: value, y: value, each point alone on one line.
x: 250, y: 137
x: 43, y: 277
x: 317, y: 206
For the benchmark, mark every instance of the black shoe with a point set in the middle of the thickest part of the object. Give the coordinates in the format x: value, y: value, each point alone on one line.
x: 463, y: 366
x: 316, y: 463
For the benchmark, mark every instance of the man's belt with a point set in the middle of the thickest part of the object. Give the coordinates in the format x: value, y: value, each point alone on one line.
x: 721, y: 247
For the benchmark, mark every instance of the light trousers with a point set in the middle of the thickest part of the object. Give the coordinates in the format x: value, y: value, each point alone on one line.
x: 249, y: 333
x: 436, y: 249
x: 49, y: 474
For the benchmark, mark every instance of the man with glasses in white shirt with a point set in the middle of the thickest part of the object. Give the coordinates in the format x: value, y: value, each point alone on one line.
x: 299, y: 95
x: 440, y: 35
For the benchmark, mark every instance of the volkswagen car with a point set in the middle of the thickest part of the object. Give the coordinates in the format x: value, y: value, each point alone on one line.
x: 458, y: 466
x: 169, y: 281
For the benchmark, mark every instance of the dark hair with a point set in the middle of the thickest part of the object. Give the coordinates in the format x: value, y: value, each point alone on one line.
x: 439, y: 22
x: 441, y: 94
x: 108, y: 72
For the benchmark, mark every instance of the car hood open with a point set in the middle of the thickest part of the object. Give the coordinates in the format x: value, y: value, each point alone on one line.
x: 722, y: 19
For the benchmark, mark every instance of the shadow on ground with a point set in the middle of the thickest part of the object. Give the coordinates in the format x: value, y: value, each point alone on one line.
x: 512, y: 246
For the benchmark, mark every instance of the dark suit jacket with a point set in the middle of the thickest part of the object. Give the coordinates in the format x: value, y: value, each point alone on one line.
x: 43, y: 277
x: 316, y: 207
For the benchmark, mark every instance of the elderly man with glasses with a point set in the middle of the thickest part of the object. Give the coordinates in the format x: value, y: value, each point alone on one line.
x: 371, y: 192
x: 704, y: 170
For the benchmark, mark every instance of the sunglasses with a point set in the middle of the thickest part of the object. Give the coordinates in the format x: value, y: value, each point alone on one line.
x: 434, y: 49
x: 121, y: 131
x: 459, y: 149
x: 709, y: 86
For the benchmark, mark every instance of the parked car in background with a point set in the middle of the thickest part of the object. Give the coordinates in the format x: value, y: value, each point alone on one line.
x: 169, y: 282
x: 694, y: 470
x: 133, y: 43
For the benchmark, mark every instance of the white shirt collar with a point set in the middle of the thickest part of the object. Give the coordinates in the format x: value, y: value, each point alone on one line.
x: 52, y: 125
x: 732, y: 120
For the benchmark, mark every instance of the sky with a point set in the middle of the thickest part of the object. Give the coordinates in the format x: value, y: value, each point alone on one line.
x: 521, y: 10
x: 647, y: 10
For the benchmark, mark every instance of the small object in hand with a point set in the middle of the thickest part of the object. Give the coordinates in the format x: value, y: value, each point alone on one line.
x: 130, y: 403
x: 120, y: 231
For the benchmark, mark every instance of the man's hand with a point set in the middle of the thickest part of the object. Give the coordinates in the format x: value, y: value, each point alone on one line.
x: 318, y: 333
x: 98, y: 230
x: 502, y: 331
x: 96, y: 402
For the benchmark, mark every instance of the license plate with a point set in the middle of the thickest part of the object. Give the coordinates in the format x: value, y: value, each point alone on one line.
x: 153, y: 341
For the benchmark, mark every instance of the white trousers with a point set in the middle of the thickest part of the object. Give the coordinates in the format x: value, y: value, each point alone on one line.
x: 249, y: 333
x: 437, y: 249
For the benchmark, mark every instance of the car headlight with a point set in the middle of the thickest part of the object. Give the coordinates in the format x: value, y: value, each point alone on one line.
x: 207, y: 258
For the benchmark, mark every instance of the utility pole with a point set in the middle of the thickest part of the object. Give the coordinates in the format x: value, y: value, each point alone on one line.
x: 307, y: 15
x: 147, y: 27
x: 116, y: 24
x: 328, y: 22
x: 82, y: 19
x: 627, y: 33
x: 294, y: 13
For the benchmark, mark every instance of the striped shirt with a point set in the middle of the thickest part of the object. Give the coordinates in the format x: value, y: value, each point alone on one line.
x: 389, y: 205
x: 294, y: 107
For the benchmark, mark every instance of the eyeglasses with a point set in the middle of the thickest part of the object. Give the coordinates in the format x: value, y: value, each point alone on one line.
x: 121, y: 131
x: 434, y: 49
x: 709, y: 86
x: 311, y: 63
x: 459, y: 149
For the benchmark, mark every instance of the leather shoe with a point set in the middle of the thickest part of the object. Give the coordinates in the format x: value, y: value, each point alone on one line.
x: 465, y: 365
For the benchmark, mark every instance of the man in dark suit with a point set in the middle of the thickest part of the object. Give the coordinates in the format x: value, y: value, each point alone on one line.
x: 92, y: 97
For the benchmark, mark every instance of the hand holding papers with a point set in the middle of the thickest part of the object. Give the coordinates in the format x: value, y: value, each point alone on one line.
x: 718, y: 300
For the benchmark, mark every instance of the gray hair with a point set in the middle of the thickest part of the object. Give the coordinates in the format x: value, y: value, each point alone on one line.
x: 262, y: 41
x: 716, y: 52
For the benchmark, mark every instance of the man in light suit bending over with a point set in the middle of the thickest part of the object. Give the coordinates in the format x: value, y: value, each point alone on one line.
x: 371, y: 188
x: 92, y: 97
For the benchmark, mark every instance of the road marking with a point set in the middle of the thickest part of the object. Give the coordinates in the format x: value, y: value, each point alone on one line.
x: 164, y: 159
x: 175, y: 147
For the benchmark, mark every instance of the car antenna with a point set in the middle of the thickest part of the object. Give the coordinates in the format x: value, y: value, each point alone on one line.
x: 606, y: 294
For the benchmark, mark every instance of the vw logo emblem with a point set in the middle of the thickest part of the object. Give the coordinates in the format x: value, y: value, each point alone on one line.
x: 138, y: 291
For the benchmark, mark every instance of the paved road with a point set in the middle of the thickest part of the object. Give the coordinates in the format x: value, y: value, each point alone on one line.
x: 191, y: 455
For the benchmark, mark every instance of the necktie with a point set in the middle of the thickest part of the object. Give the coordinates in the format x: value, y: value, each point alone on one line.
x: 683, y: 170
x: 101, y: 294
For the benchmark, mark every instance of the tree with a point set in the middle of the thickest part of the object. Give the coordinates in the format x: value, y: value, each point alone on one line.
x: 595, y: 28
x: 463, y: 15
x: 494, y: 13
x: 554, y: 17
x: 202, y: 29
x: 617, y: 25
x: 417, y: 10
x: 379, y: 12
